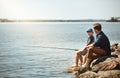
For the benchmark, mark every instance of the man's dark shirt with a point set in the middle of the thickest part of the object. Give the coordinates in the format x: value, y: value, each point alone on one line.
x: 102, y: 42
x: 90, y: 40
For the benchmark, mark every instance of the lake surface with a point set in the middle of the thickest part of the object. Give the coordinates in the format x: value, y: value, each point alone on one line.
x: 21, y: 54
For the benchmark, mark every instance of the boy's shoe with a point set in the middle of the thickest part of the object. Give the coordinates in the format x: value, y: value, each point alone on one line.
x: 74, y: 65
x: 76, y: 68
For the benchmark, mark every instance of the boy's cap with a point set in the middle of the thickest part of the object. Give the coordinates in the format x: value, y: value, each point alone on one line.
x: 89, y: 30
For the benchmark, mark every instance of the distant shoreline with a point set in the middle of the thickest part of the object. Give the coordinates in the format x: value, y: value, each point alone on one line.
x: 56, y: 20
x: 6, y: 20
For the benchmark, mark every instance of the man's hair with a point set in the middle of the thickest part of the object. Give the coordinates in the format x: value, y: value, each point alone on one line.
x: 97, y: 26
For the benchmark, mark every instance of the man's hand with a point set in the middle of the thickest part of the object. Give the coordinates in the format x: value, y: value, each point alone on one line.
x: 91, y: 45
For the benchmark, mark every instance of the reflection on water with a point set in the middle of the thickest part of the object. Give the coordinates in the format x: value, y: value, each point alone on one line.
x: 19, y: 59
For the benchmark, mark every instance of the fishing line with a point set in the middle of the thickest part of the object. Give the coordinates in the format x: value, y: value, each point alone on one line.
x: 54, y: 47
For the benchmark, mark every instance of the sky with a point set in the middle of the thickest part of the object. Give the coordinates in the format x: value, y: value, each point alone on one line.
x: 59, y: 9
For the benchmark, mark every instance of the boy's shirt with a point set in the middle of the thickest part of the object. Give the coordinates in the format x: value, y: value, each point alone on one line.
x: 90, y: 40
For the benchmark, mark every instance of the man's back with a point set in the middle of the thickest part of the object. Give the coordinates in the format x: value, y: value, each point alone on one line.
x: 102, y: 42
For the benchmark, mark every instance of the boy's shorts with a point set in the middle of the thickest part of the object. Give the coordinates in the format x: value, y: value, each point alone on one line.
x: 83, y: 52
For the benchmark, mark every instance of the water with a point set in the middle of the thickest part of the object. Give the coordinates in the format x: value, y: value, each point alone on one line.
x: 21, y: 56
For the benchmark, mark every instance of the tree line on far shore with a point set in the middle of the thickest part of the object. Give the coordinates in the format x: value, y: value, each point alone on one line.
x: 112, y: 19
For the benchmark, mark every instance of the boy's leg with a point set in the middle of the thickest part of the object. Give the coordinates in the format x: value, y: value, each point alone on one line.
x: 79, y: 56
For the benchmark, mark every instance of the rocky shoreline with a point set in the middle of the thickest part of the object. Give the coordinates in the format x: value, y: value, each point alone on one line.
x: 106, y: 66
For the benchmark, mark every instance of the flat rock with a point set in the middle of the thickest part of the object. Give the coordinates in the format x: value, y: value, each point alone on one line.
x: 108, y: 64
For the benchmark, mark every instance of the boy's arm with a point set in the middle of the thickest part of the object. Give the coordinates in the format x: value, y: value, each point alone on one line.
x: 91, y: 45
x: 90, y: 40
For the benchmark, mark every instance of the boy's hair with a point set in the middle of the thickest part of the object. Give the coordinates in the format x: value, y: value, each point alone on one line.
x: 97, y: 26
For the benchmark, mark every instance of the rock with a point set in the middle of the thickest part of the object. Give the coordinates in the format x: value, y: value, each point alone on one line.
x: 114, y: 47
x: 109, y: 74
x: 89, y: 74
x: 106, y: 66
x: 101, y: 74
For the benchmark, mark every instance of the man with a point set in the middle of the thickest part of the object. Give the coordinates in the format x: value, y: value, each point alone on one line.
x: 101, y: 47
x: 79, y: 53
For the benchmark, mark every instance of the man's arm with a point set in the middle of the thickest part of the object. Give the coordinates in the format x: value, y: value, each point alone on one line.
x: 91, y: 45
x: 98, y: 41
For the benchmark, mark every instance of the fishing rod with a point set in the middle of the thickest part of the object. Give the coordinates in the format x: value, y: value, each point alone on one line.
x: 55, y: 48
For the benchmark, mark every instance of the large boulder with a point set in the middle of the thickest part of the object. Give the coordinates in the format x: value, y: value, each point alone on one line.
x: 108, y: 64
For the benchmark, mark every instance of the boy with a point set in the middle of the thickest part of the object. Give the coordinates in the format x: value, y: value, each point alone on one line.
x: 84, y: 51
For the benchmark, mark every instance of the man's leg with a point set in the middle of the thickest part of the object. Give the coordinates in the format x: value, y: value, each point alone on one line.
x: 85, y: 58
x: 93, y: 53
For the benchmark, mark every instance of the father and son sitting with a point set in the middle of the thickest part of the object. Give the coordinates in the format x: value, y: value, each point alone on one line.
x: 93, y: 49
